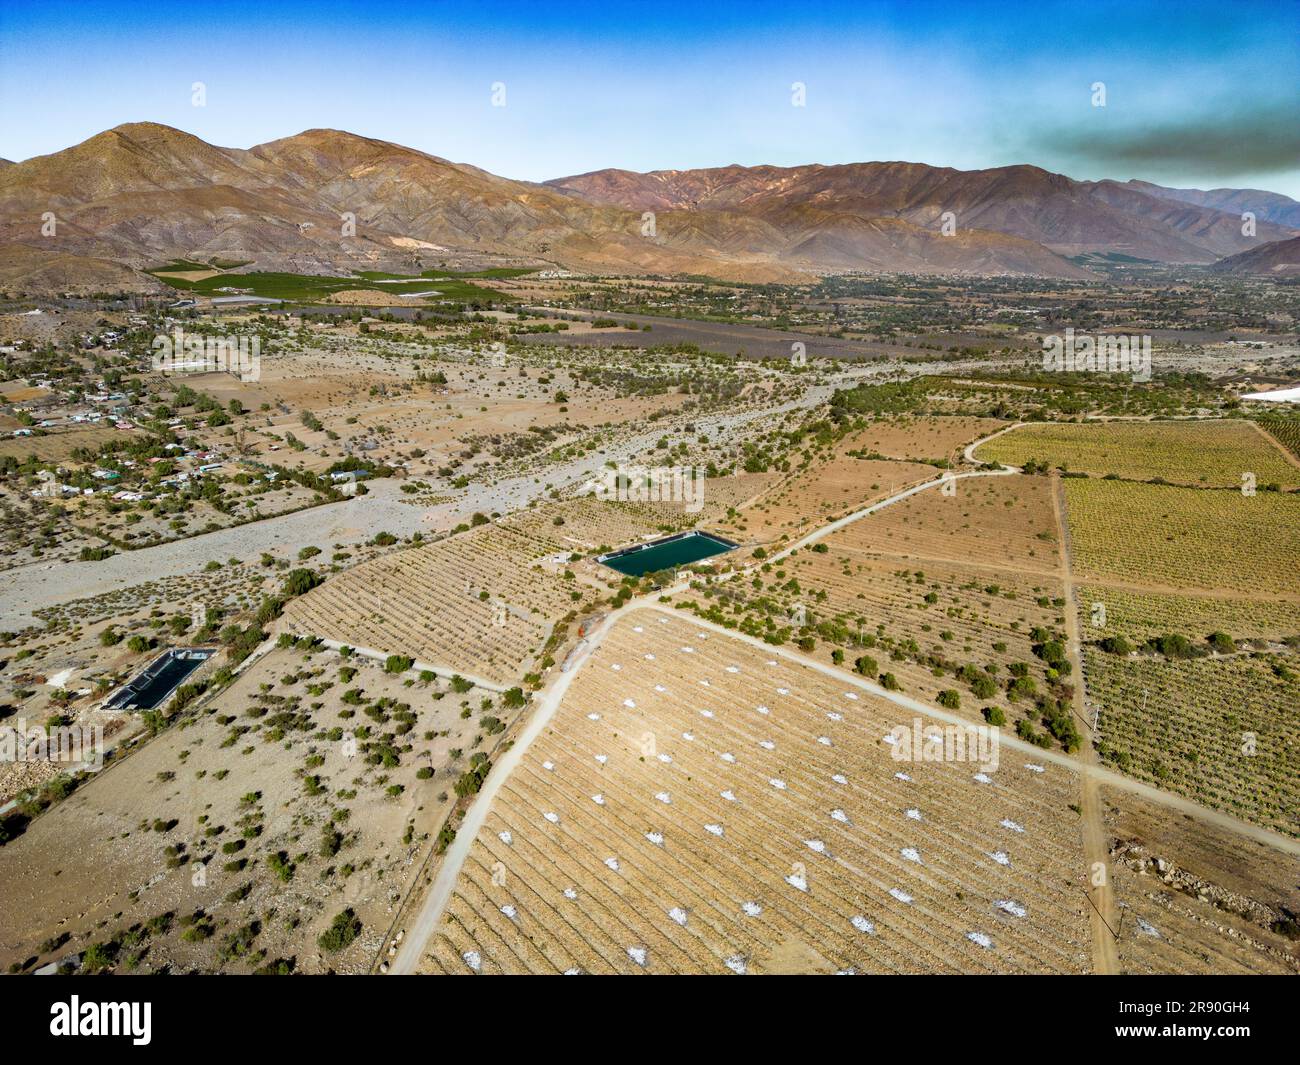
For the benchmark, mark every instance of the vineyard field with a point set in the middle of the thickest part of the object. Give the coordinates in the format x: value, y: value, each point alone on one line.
x: 1200, y: 454
x: 1139, y: 616
x: 1185, y: 537
x: 696, y: 808
x: 1221, y: 731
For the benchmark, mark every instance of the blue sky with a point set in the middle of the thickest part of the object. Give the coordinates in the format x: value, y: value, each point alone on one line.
x: 1197, y: 94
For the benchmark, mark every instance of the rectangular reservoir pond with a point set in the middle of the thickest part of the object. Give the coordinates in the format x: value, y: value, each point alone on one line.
x: 679, y: 550
x: 159, y: 679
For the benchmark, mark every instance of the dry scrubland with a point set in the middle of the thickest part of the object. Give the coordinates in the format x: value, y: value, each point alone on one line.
x: 289, y: 826
x: 923, y: 438
x: 1194, y: 899
x: 1202, y: 453
x: 31, y: 531
x: 67, y: 657
x: 891, y: 454
x: 695, y: 806
x: 1004, y: 522
x: 1185, y: 537
x: 820, y: 495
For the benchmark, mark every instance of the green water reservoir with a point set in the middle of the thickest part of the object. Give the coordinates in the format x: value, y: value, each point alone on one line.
x: 672, y: 551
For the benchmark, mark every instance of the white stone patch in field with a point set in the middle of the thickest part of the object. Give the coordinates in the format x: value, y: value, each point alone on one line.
x: 834, y: 716
x: 593, y: 717
x: 728, y: 757
x: 660, y: 688
x: 913, y: 814
x: 736, y: 964
x: 616, y: 667
x: 980, y: 939
x: 767, y: 745
x: 552, y: 817
x: 729, y: 795
x: 815, y: 845
x: 657, y: 838
x: 548, y: 766
x: 649, y: 658
x: 762, y: 709
x: 825, y: 741
x: 706, y: 684
x: 983, y: 778
x: 892, y: 740
x: 629, y: 704
x: 638, y: 628
x: 797, y: 881
x: 665, y: 758
x: 688, y: 736
x: 912, y: 855
x: 1000, y: 857
x: 473, y: 959
x: 1006, y: 822
x: 862, y: 924
x: 1012, y: 907
x: 688, y: 650
x: 602, y: 758
x: 663, y: 621
x: 778, y: 784
x: 706, y: 713
x: 901, y: 896
x: 851, y: 695
x: 839, y: 778
x: 771, y: 661
x: 570, y: 893
x: 638, y: 955
x: 782, y: 691
x: 1034, y: 768
x: 510, y: 911
x: 840, y: 816
x: 678, y: 915
x: 850, y: 971
x: 751, y: 909
x: 575, y: 971
x: 598, y: 799
x: 1148, y: 929
x: 733, y: 669
x: 664, y: 798
x: 612, y: 863
x: 715, y: 830
x: 505, y: 837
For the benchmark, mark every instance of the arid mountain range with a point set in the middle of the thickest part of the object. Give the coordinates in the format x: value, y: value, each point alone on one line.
x: 326, y: 201
x: 1280, y: 258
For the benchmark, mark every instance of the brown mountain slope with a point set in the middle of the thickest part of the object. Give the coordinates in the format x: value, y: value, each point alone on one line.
x: 35, y: 271
x: 1266, y: 206
x: 1066, y: 216
x: 143, y: 192
x: 1281, y: 258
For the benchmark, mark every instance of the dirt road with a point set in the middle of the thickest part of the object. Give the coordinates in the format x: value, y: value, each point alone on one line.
x: 1102, y: 912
